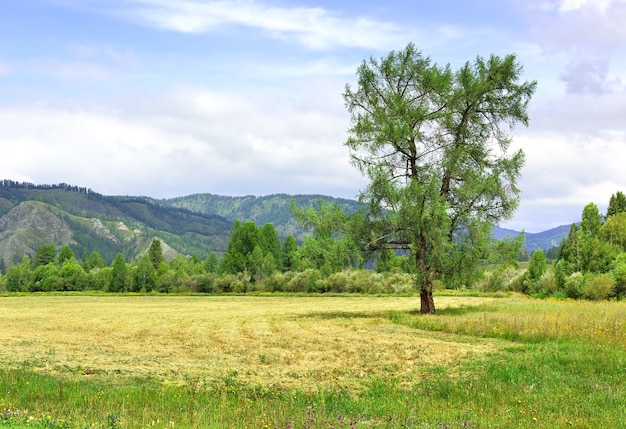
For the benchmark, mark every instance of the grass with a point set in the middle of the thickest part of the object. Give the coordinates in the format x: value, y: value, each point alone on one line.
x: 310, y: 362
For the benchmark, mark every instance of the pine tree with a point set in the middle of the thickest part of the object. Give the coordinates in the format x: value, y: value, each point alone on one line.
x: 155, y: 253
x: 617, y: 204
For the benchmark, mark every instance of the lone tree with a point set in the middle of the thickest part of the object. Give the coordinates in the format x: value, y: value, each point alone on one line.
x: 434, y: 144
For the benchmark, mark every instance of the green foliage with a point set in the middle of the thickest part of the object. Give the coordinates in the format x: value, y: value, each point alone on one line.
x: 243, y: 239
x: 617, y: 204
x: 119, y: 275
x: 591, y: 220
x: 619, y: 273
x: 614, y: 230
x: 288, y: 253
x: 591, y: 252
x: 424, y: 136
x: 144, y: 274
x: 598, y: 287
x: 274, y: 209
x: 16, y: 279
x: 95, y: 260
x: 155, y: 253
x: 66, y: 254
x: 211, y: 263
x: 574, y: 285
x: 537, y: 266
x: 45, y: 255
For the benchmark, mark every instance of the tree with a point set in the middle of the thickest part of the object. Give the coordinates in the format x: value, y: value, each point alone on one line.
x: 537, y: 267
x: 332, y: 247
x: 434, y: 146
x: 95, y: 260
x: 617, y: 204
x: 211, y: 263
x: 119, y: 273
x: 66, y: 254
x: 155, y: 253
x: 243, y: 239
x: 17, y: 279
x: 144, y: 275
x: 270, y: 243
x: 614, y: 230
x: 288, y: 253
x: 45, y: 255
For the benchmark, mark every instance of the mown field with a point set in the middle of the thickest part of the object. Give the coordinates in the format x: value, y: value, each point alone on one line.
x: 79, y: 361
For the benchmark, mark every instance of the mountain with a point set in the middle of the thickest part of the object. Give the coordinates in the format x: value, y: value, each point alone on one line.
x: 540, y: 240
x: 274, y: 209
x: 31, y: 215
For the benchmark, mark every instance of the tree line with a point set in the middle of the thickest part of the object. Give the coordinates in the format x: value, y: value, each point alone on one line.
x: 255, y: 260
x: 590, y: 261
x: 12, y: 184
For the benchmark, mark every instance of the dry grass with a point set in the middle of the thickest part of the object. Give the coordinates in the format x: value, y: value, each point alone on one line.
x: 519, y: 317
x: 301, y: 342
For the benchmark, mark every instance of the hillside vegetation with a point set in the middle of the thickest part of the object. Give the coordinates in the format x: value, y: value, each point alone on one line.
x: 274, y: 209
x: 88, y: 221
x: 199, y: 224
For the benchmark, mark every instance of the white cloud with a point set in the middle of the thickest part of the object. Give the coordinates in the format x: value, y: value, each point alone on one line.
x: 564, y: 172
x: 314, y: 27
x: 581, y: 27
x: 193, y: 140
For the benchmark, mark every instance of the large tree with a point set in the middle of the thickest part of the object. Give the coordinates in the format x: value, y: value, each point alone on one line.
x: 434, y: 144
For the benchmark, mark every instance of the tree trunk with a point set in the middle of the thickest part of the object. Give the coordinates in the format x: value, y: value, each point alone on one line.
x: 427, y: 304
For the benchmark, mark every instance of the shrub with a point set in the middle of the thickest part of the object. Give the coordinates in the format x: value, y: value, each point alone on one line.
x: 305, y: 281
x: 398, y: 282
x: 598, y: 286
x: 361, y: 281
x: 574, y: 285
x: 227, y: 283
x: 204, y: 283
x: 498, y: 279
x: 338, y: 282
x: 516, y: 283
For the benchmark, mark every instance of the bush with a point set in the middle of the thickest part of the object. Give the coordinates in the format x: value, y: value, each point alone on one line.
x: 305, y: 281
x: 545, y: 286
x: 361, y: 281
x: 398, y: 282
x: 338, y: 282
x: 499, y: 279
x: 574, y: 285
x: 598, y: 286
x: 516, y: 283
x: 204, y: 283
x: 619, y: 273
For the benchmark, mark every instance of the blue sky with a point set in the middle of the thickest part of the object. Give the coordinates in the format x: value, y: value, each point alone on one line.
x: 168, y: 98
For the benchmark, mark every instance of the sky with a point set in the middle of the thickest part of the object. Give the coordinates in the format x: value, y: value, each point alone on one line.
x: 168, y: 98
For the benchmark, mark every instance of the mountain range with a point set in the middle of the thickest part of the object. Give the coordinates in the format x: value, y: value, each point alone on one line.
x: 199, y: 224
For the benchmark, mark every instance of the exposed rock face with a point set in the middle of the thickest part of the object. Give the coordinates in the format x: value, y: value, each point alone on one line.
x: 28, y: 225
x: 101, y: 229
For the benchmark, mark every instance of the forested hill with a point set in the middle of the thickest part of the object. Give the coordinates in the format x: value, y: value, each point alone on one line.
x: 87, y: 221
x: 274, y: 209
x: 539, y: 240
x: 31, y: 215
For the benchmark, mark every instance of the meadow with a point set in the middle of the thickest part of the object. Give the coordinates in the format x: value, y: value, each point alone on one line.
x: 344, y: 361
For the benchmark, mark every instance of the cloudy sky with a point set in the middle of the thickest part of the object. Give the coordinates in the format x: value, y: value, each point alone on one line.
x: 168, y: 98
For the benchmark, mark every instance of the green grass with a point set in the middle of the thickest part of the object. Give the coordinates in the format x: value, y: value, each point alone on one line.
x: 559, y: 364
